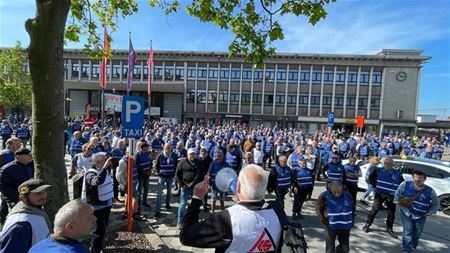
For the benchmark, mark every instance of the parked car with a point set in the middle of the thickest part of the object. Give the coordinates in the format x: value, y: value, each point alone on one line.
x: 438, y: 175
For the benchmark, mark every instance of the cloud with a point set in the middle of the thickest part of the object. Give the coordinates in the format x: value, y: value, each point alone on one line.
x: 367, y: 27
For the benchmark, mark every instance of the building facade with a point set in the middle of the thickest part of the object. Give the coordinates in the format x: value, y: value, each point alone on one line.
x: 290, y: 90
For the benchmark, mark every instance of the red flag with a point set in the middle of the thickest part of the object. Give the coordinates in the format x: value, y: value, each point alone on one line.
x: 150, y: 70
x: 104, y: 61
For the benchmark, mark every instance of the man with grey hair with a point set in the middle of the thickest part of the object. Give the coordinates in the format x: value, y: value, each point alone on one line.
x: 98, y: 191
x: 249, y: 225
x: 73, y: 223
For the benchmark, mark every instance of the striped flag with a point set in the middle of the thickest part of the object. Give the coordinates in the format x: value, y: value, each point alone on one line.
x: 150, y: 70
x: 131, y: 63
x: 104, y: 61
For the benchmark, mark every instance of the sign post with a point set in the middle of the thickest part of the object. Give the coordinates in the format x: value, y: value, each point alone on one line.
x: 330, y: 122
x: 132, y: 119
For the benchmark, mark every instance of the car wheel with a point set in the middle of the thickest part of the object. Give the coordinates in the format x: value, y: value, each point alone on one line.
x: 445, y: 203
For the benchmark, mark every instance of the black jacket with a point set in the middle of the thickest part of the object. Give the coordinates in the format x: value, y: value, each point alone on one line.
x: 11, y: 176
x: 188, y: 173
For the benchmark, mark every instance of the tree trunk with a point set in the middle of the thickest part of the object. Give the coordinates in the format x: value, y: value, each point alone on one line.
x: 45, y: 55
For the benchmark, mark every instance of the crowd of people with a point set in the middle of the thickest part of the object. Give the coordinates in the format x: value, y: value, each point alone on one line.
x: 186, y: 159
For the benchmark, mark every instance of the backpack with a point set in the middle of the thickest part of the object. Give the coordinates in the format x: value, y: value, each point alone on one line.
x: 293, y: 237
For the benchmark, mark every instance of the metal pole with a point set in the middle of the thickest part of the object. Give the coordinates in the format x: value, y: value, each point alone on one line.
x: 150, y: 92
x: 130, y: 186
x: 102, y: 99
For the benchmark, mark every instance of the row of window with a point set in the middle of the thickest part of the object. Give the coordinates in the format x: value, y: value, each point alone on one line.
x: 171, y: 73
x: 291, y: 99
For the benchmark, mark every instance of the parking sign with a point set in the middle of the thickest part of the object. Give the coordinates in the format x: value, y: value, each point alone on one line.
x: 132, y: 117
x: 330, y: 119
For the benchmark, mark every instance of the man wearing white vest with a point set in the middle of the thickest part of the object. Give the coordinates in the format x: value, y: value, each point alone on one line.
x: 80, y: 163
x: 27, y: 223
x: 248, y: 226
x: 98, y: 191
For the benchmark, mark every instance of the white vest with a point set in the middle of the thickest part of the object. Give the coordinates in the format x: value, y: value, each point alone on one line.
x: 39, y: 226
x: 83, y: 162
x: 105, y: 190
x: 258, y: 156
x: 254, y: 231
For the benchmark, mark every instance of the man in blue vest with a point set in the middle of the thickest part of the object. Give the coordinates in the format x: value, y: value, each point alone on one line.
x: 24, y: 134
x: 417, y: 201
x: 335, y: 209
x: 303, y: 178
x: 166, y: 163
x: 363, y: 150
x: 283, y: 179
x: 6, y: 132
x: 385, y: 180
x: 144, y: 166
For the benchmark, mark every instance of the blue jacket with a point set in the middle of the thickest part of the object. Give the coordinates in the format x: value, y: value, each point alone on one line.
x: 11, y: 176
x: 50, y: 245
x: 17, y: 239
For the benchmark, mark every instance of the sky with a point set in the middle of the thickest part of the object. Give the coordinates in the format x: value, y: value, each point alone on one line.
x: 351, y: 27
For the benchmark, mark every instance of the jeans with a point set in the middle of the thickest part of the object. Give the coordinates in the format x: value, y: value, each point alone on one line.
x: 102, y: 216
x: 185, y: 195
x: 161, y: 182
x: 412, y: 228
x: 142, y: 189
x: 367, y: 192
x: 343, y: 238
x: 377, y: 203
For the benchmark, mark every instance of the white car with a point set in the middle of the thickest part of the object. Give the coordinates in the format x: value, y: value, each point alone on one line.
x: 438, y: 175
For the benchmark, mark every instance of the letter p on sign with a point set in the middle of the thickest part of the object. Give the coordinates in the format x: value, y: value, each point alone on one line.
x: 132, y: 116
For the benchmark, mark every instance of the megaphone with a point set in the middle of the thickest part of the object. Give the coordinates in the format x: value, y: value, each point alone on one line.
x: 226, y: 180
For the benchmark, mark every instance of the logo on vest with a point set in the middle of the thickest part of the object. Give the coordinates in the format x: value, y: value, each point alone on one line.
x: 264, y: 243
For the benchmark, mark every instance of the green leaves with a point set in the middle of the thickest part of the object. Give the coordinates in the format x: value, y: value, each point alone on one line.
x: 15, y: 83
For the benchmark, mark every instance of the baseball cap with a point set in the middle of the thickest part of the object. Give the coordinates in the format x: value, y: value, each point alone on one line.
x: 22, y: 151
x: 191, y: 150
x: 144, y: 143
x: 32, y: 185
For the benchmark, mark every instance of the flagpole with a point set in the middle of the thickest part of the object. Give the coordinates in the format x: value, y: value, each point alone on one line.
x: 102, y: 100
x: 149, y: 91
x: 129, y: 41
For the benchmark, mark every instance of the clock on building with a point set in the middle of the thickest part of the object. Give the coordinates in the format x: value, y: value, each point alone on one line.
x: 401, y: 76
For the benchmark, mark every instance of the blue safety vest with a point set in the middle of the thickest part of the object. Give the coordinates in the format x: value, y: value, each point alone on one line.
x: 117, y: 152
x: 387, y: 182
x: 283, y: 177
x: 268, y: 146
x: 167, y: 165
x: 157, y: 144
x: 335, y: 172
x: 145, y: 161
x: 304, y: 177
x: 339, y: 211
x: 215, y: 168
x: 363, y: 150
x: 208, y: 144
x: 135, y: 171
x: 421, y: 205
x: 344, y: 147
x: 76, y: 146
x: 382, y: 152
x: 295, y: 158
x: 6, y: 130
x: 7, y: 155
x: 231, y: 159
x: 216, y: 150
x: 352, y: 169
x: 23, y: 133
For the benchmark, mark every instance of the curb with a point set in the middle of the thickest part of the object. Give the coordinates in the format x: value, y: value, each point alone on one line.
x: 153, y: 237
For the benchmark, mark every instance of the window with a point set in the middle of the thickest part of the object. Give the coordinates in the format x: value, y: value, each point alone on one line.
x: 364, y: 78
x: 212, y: 97
x: 247, y: 74
x: 234, y: 97
x: 145, y: 72
x: 258, y: 74
x: 235, y: 74
x: 281, y: 75
x: 350, y: 101
x: 137, y: 72
x: 304, y: 76
x: 317, y: 76
x: 315, y: 100
x: 179, y: 73
x: 116, y: 71
x: 75, y: 69
x: 245, y: 99
x: 84, y: 70
x: 362, y: 102
x: 213, y: 73
x: 201, y: 96
x: 95, y: 71
x: 328, y: 77
x: 223, y: 96
x: 292, y: 99
x: 191, y: 73
x: 340, y: 77
x: 124, y: 71
x: 293, y: 76
x: 268, y: 99
x: 224, y: 74
x: 157, y: 72
x: 375, y: 102
x: 352, y: 75
x: 338, y: 101
x: 326, y: 101
x: 408, y: 168
x: 303, y: 100
x: 257, y: 98
x: 270, y: 75
x: 279, y: 99
x: 376, y: 78
x: 190, y: 96
x: 201, y: 73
